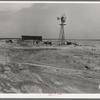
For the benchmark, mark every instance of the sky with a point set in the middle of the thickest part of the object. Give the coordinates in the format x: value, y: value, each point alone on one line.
x: 83, y: 20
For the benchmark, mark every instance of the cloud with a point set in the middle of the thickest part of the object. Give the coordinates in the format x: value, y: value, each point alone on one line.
x: 12, y: 7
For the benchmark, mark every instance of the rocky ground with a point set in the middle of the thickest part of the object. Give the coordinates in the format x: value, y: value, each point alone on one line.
x: 68, y: 69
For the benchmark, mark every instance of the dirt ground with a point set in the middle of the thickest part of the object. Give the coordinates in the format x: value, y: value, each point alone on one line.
x: 68, y: 69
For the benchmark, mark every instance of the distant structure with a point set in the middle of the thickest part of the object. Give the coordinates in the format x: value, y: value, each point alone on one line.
x: 24, y: 37
x: 62, y: 34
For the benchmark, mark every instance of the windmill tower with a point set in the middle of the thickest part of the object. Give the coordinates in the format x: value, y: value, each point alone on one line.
x: 62, y: 34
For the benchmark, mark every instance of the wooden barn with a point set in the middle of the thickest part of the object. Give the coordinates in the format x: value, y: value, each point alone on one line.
x: 24, y: 37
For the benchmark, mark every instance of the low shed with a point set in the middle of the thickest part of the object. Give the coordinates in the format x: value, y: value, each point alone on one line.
x: 32, y: 38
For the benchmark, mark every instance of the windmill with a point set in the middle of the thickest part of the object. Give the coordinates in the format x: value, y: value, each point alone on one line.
x: 62, y: 34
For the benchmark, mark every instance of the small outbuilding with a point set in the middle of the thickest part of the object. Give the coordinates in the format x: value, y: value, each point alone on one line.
x: 24, y: 37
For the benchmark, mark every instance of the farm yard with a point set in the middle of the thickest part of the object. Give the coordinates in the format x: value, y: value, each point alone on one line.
x: 49, y: 69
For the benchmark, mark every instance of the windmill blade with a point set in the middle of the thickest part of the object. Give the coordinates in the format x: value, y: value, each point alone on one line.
x: 64, y: 15
x: 58, y: 18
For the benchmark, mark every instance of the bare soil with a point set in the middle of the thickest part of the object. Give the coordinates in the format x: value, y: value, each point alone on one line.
x: 65, y: 69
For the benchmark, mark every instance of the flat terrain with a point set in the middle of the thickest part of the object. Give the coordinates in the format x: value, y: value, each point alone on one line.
x: 66, y: 69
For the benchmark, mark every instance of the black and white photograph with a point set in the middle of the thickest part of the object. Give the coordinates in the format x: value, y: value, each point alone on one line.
x: 49, y: 48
